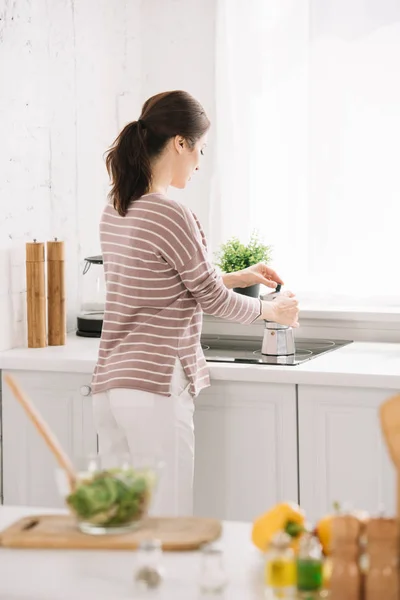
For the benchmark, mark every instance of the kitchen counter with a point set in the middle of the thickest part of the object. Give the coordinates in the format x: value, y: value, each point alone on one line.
x: 102, y: 574
x: 361, y: 364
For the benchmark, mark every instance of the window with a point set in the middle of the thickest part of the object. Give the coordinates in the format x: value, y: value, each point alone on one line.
x: 308, y: 140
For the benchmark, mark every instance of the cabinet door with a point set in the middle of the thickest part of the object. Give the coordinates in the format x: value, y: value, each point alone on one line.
x: 246, y: 449
x: 342, y: 455
x: 28, y: 465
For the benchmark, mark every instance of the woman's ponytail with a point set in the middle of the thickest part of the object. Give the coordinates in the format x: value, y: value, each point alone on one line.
x: 128, y: 166
x: 129, y: 160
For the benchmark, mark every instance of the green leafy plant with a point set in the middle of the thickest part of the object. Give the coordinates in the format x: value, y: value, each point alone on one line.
x: 235, y: 256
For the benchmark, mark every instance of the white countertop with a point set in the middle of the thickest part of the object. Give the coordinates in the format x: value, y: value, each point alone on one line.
x: 108, y: 575
x: 361, y: 364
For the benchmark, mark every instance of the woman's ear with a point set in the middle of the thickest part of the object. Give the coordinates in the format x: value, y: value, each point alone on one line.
x: 179, y: 143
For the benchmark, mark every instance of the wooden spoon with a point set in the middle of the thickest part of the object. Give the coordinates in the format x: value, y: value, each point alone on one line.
x: 44, y: 430
x: 390, y: 423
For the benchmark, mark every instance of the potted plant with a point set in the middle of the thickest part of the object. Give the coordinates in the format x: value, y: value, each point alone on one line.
x: 234, y: 256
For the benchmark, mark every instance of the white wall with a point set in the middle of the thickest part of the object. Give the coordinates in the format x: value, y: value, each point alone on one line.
x: 72, y: 73
x: 178, y: 48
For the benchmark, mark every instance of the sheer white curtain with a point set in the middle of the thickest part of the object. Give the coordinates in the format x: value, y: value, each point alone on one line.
x: 308, y: 140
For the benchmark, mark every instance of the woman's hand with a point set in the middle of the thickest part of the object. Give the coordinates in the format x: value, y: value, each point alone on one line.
x: 259, y: 273
x: 284, y: 309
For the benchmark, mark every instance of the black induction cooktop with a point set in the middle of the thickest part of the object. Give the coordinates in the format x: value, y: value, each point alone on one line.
x: 226, y: 349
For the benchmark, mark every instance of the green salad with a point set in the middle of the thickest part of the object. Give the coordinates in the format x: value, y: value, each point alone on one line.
x: 112, y: 497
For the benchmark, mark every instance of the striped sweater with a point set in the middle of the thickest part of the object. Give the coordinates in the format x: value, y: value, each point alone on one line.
x: 158, y: 282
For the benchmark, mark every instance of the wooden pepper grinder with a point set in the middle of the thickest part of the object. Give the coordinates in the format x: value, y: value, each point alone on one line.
x: 56, y: 321
x: 35, y: 294
x: 345, y: 583
x: 382, y: 577
x: 390, y: 424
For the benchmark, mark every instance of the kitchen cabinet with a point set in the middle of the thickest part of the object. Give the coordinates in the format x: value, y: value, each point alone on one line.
x: 342, y: 455
x: 246, y: 443
x: 246, y: 449
x: 28, y: 467
x: 256, y: 444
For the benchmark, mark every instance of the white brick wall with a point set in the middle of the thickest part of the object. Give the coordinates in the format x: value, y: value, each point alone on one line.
x: 72, y: 72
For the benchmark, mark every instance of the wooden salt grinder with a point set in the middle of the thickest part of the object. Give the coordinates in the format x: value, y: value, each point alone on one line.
x: 56, y: 320
x: 382, y: 577
x: 345, y: 583
x: 35, y: 295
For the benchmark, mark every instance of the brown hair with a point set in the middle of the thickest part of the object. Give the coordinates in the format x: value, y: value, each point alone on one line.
x: 129, y: 159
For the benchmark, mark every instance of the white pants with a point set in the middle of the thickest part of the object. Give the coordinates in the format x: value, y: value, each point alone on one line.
x: 142, y: 423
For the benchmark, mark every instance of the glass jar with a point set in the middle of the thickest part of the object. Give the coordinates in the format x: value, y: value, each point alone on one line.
x: 149, y: 571
x: 280, y: 568
x: 213, y: 578
x: 309, y: 564
x: 113, y: 493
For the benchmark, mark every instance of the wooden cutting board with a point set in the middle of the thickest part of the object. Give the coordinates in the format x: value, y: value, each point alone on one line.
x: 60, y: 531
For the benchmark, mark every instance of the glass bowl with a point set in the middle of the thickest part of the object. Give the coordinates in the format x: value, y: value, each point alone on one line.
x: 113, y: 493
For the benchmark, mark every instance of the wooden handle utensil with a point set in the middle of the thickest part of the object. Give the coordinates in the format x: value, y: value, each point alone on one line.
x: 44, y: 430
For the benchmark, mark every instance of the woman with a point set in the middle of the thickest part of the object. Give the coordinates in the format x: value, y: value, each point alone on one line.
x: 159, y: 281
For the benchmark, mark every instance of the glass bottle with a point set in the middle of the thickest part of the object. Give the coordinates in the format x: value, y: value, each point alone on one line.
x: 309, y: 564
x: 280, y: 568
x: 213, y: 579
x: 149, y: 572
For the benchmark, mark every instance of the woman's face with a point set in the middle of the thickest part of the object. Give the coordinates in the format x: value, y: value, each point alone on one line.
x: 187, y: 160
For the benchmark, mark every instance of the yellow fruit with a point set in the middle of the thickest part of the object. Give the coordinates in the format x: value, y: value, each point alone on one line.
x: 324, y: 532
x: 282, y: 517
